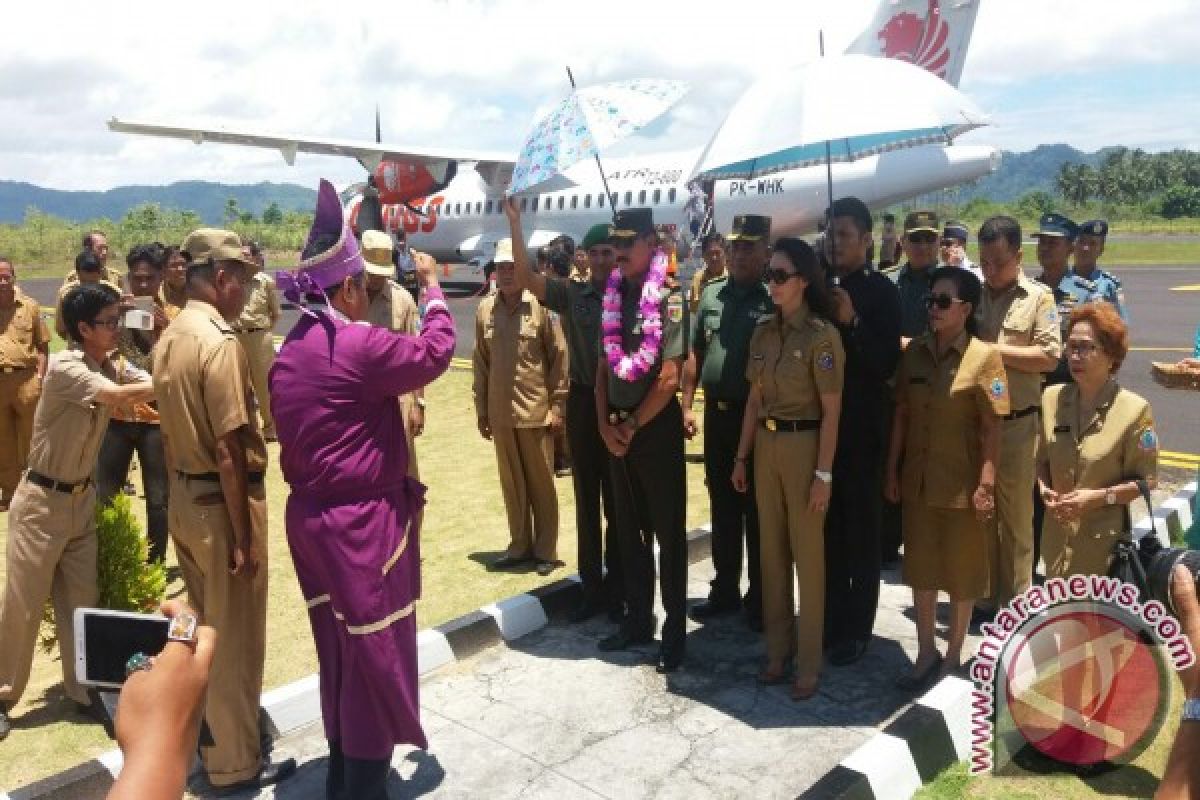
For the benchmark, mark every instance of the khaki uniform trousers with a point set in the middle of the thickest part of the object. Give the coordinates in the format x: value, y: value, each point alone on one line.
x: 51, y: 553
x: 790, y: 538
x: 260, y: 353
x: 237, y: 607
x: 1011, y: 531
x: 18, y: 400
x: 525, y: 457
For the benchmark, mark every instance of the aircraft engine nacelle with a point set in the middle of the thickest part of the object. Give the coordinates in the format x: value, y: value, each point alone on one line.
x: 400, y: 181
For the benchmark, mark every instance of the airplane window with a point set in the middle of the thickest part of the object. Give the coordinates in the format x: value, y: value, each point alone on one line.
x: 524, y: 204
x: 642, y: 197
x: 574, y: 202
x: 488, y: 208
x: 478, y: 207
x: 458, y: 208
x: 671, y: 196
x: 657, y: 196
x: 587, y: 201
x: 561, y: 201
x: 629, y: 198
x: 534, y: 205
x: 600, y: 201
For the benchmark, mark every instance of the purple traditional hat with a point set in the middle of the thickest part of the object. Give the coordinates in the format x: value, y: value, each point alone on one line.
x: 333, y: 264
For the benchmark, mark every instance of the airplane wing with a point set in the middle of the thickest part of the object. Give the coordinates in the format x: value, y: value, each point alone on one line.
x: 495, y: 168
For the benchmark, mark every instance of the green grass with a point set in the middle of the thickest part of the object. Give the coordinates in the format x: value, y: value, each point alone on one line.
x: 464, y: 527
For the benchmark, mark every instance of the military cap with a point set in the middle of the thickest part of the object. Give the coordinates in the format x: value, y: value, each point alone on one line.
x: 213, y: 244
x: 504, y: 252
x: 1053, y: 224
x: 921, y: 221
x: 1094, y: 227
x: 377, y: 253
x: 632, y: 222
x: 597, y: 234
x: 956, y: 230
x: 750, y: 228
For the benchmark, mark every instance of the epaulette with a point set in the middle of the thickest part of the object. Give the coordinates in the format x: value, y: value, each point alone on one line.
x: 1105, y: 273
x: 1086, y: 283
x: 223, y: 326
x: 892, y: 270
x: 817, y: 323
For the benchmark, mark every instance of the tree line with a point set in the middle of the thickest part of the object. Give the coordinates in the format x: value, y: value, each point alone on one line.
x: 1168, y: 183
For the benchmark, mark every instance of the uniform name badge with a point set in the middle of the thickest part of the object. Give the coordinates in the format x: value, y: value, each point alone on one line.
x: 675, y: 308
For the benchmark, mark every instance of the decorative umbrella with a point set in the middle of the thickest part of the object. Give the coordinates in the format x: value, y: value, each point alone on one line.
x: 835, y: 109
x: 587, y: 121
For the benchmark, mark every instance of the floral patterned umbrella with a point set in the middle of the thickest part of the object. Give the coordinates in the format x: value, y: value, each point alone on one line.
x: 587, y: 121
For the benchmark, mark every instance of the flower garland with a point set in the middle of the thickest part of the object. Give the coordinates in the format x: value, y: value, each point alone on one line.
x: 634, y: 367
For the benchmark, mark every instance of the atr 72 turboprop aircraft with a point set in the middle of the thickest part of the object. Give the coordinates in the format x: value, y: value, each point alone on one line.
x: 455, y: 213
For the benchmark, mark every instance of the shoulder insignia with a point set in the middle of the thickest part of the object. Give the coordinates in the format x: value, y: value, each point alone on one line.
x: 222, y: 326
x: 765, y: 319
x: 675, y: 307
x: 997, y: 387
x: 825, y: 360
x: 1148, y: 440
x: 817, y: 324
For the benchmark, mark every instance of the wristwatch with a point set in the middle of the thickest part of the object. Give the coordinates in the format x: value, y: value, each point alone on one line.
x: 1191, y: 710
x: 1110, y: 497
x: 823, y: 476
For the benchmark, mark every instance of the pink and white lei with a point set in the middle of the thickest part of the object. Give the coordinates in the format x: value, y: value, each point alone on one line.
x: 633, y: 367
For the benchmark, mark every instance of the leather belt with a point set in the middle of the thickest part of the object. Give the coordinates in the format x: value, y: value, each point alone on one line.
x: 38, y: 479
x: 252, y: 330
x: 13, y: 370
x: 252, y: 478
x: 790, y: 425
x: 1024, y: 412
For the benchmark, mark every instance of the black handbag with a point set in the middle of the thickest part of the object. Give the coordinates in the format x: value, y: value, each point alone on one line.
x: 1128, y: 554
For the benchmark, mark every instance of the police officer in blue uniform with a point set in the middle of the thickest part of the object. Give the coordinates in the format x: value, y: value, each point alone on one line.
x: 1089, y: 247
x: 1055, y: 242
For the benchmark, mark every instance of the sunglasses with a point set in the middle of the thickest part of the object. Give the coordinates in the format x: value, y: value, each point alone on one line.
x: 779, y: 276
x: 942, y: 301
x: 922, y: 237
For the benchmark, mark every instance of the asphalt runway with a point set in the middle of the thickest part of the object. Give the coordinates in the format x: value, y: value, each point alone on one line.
x: 1163, y: 321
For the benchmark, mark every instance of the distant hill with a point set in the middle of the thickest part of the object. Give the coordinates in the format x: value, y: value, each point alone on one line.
x: 1019, y: 173
x: 206, y: 199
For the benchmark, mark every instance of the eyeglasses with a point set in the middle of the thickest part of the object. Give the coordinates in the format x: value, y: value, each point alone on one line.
x: 951, y: 243
x: 942, y: 301
x: 780, y: 276
x: 922, y: 237
x: 112, y: 323
x: 1080, y: 349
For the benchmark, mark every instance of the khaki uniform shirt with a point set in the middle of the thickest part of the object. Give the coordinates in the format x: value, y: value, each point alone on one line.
x: 69, y: 425
x: 202, y: 386
x: 699, y: 281
x: 394, y: 308
x: 520, y: 363
x: 1117, y: 444
x: 793, y: 362
x: 1022, y: 315
x: 946, y: 397
x: 23, y: 333
x: 261, y: 310
x: 172, y: 301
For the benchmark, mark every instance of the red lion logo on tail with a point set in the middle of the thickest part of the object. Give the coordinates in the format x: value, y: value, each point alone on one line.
x: 918, y: 41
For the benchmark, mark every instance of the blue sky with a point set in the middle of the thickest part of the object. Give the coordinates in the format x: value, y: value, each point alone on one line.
x: 475, y: 73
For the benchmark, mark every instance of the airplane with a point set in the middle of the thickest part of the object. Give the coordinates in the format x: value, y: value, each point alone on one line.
x: 448, y: 202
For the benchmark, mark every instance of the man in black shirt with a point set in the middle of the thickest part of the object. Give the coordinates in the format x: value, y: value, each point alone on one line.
x: 867, y: 314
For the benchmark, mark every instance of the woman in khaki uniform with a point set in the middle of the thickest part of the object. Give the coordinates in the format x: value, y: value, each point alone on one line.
x: 1098, y: 441
x: 790, y: 424
x: 951, y: 390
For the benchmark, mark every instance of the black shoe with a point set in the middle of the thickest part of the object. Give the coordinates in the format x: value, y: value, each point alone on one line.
x: 710, y: 608
x: 545, y: 567
x: 670, y: 657
x: 624, y: 639
x: 584, y: 611
x: 5, y: 725
x: 270, y: 773
x: 508, y: 562
x: 846, y: 653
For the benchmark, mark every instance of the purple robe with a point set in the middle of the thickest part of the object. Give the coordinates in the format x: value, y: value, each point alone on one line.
x: 351, y: 516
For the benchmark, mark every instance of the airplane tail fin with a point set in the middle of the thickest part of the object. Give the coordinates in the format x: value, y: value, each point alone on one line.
x: 933, y: 34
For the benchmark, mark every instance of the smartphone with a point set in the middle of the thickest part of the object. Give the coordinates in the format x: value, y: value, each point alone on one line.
x: 105, y: 639
x: 138, y: 320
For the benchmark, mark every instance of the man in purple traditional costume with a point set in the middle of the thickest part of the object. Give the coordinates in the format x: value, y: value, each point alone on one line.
x: 352, y: 514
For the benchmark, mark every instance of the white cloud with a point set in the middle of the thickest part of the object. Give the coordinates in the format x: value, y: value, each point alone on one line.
x: 472, y: 74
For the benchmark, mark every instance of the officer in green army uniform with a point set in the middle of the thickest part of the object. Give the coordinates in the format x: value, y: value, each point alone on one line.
x: 641, y: 424
x: 726, y: 316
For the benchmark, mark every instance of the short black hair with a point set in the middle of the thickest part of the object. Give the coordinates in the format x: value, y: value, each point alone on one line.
x: 175, y: 250
x: 1000, y: 227
x: 709, y: 238
x: 83, y: 303
x: 805, y: 263
x: 89, y: 238
x: 855, y: 209
x: 889, y: 217
x: 88, y: 261
x: 967, y: 288
x: 154, y: 254
x: 564, y: 242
